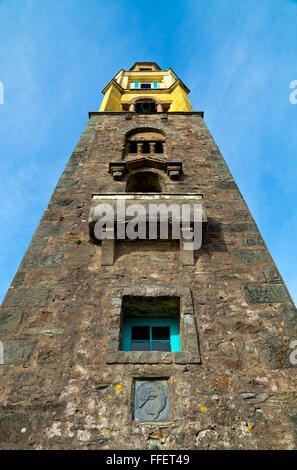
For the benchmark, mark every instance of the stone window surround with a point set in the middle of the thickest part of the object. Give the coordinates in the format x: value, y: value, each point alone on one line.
x: 188, y: 332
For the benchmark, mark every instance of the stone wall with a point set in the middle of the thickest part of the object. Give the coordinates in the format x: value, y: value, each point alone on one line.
x: 58, y: 387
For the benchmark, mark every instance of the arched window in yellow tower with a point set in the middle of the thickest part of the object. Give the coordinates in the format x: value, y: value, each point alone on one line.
x: 145, y: 106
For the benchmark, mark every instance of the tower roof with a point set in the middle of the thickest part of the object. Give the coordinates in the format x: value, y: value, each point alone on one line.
x: 146, y: 65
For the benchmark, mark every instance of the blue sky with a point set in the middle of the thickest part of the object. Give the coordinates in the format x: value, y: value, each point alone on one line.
x: 237, y: 57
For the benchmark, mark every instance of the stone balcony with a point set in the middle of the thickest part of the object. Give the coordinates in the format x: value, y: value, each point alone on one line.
x: 118, y: 209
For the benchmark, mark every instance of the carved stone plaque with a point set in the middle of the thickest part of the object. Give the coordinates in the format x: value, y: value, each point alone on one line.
x: 151, y: 402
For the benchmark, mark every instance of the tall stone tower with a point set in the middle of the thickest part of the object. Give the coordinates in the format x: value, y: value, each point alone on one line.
x: 142, y: 344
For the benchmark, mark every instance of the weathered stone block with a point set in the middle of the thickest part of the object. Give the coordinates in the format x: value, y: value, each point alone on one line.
x: 251, y: 256
x: 66, y: 183
x: 272, y: 274
x: 187, y: 256
x: 37, y: 244
x: 114, y: 332
x: 122, y: 357
x: 180, y: 357
x: 267, y: 293
x: 234, y: 228
x: 22, y: 377
x: 194, y: 358
x: 226, y: 185
x: 18, y: 279
x: 66, y: 202
x: 115, y: 312
x: 14, y: 429
x: 154, y: 357
x: 254, y: 240
x: 289, y: 313
x: 110, y: 357
x: 17, y: 351
x: 10, y: 320
x: 191, y: 345
x: 278, y: 352
x: 48, y: 229
x: 242, y: 217
x: 27, y: 298
x: 44, y: 331
x: 188, y: 320
x: 112, y: 345
x: 293, y: 417
x: 254, y: 398
x: 42, y: 260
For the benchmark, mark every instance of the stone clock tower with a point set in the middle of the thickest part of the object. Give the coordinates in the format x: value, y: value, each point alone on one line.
x: 139, y: 343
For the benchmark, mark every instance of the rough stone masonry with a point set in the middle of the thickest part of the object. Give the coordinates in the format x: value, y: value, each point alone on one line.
x: 65, y: 383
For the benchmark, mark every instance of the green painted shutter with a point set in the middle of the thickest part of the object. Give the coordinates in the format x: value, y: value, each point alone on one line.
x: 136, y: 84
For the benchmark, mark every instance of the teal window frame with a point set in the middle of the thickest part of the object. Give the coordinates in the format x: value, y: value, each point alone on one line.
x: 172, y: 323
x: 153, y: 85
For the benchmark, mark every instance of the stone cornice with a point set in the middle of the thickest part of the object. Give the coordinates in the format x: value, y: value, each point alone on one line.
x: 170, y: 113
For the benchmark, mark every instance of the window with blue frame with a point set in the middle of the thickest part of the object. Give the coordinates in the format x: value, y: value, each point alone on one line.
x: 150, y: 323
x: 146, y: 85
x: 151, y: 334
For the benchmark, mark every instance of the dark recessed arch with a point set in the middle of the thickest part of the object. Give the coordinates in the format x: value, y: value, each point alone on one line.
x: 145, y: 131
x: 144, y: 182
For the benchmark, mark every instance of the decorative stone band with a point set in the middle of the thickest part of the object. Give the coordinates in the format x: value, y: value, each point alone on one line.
x: 119, y: 169
x: 188, y: 333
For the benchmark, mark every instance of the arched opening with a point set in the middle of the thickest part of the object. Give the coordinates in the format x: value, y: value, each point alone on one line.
x: 144, y: 182
x: 145, y: 106
x: 145, y: 141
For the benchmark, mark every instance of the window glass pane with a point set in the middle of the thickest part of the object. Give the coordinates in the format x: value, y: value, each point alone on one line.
x: 161, y: 333
x: 136, y: 84
x: 145, y: 107
x: 145, y: 85
x: 140, y: 333
x: 155, y: 84
x: 161, y: 346
x: 140, y: 346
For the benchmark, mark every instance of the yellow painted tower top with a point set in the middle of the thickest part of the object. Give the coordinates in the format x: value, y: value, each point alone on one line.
x: 146, y: 88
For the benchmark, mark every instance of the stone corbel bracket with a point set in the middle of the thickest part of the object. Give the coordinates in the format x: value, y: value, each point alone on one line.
x: 117, y: 170
x: 174, y: 170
